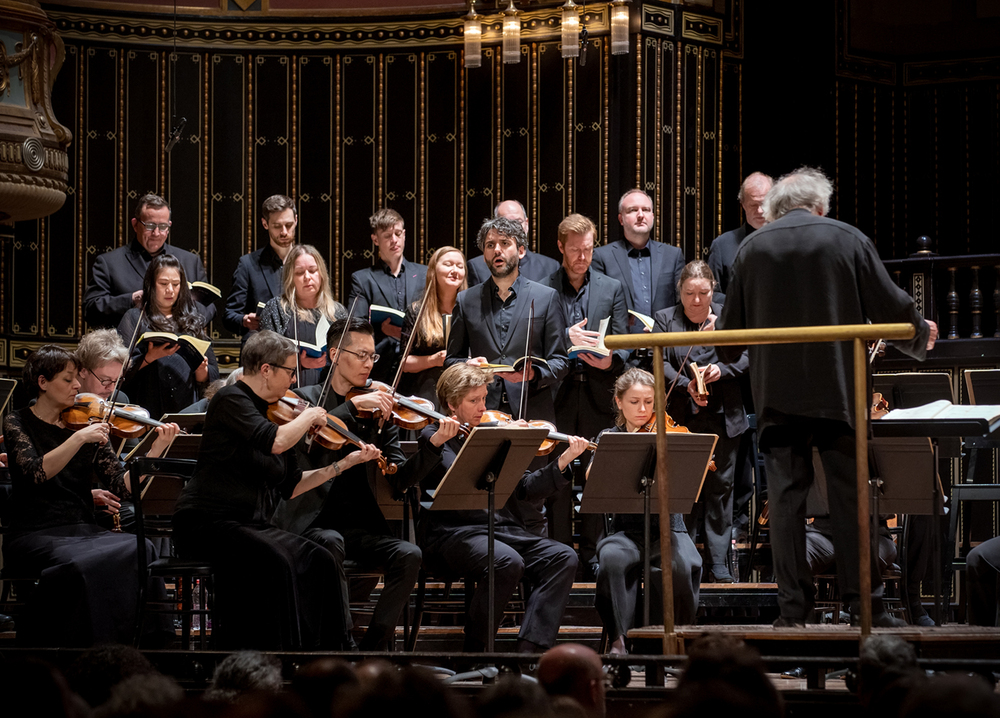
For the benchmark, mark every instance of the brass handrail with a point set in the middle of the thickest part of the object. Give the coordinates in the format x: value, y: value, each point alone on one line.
x: 857, y: 333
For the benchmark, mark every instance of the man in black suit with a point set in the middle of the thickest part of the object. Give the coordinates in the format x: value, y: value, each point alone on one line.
x: 536, y: 267
x: 723, y: 248
x: 257, y: 278
x: 585, y: 399
x: 116, y: 285
x: 396, y: 283
x: 489, y: 325
x: 647, y: 269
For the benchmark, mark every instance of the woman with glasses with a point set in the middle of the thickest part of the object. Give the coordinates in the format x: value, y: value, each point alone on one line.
x: 304, y: 311
x: 274, y: 590
x: 166, y: 376
x: 446, y: 277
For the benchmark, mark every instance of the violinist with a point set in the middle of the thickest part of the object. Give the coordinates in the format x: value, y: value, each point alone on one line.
x: 160, y: 377
x: 445, y: 279
x: 490, y: 325
x: 719, y: 411
x: 305, y: 307
x: 223, y: 514
x: 620, y: 554
x: 456, y: 541
x: 344, y: 516
x: 87, y: 590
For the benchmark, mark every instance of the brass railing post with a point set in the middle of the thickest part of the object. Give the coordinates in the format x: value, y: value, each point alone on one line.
x: 663, y: 491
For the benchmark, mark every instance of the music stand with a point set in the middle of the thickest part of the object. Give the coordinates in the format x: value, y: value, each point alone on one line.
x: 7, y: 387
x: 491, y: 463
x: 983, y: 385
x: 621, y: 480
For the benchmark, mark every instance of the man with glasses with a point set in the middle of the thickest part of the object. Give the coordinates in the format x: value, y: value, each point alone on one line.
x: 344, y: 516
x: 116, y: 285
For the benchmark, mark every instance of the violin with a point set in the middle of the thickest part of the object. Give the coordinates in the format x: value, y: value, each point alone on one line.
x: 408, y: 412
x: 334, y: 435
x: 669, y: 426
x: 550, y: 441
x: 127, y: 421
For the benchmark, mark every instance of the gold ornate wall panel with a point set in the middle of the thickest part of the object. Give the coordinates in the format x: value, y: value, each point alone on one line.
x: 349, y: 117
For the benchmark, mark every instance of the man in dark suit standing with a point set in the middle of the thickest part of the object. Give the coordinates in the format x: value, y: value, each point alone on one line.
x: 584, y: 400
x: 723, y: 248
x: 536, y: 267
x: 647, y: 269
x: 116, y: 284
x: 489, y: 325
x: 395, y: 283
x: 257, y: 278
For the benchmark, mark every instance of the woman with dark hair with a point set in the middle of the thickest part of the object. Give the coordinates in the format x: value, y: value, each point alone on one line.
x: 719, y: 411
x: 87, y: 588
x: 164, y: 377
x: 446, y: 278
x: 223, y: 514
x: 304, y: 311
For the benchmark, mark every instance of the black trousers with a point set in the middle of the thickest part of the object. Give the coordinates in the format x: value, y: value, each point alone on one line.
x: 788, y: 460
x: 548, y: 566
x: 397, y: 560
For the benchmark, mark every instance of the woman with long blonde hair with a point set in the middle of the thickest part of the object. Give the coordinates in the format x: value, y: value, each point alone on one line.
x: 304, y: 310
x: 446, y: 277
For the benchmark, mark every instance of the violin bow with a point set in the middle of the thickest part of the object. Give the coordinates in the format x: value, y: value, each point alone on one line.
x: 684, y: 362
x: 295, y: 331
x: 526, y: 369
x: 409, y: 347
x: 333, y: 365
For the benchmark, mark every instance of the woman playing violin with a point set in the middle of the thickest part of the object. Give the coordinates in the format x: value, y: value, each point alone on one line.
x: 718, y: 411
x: 88, y: 587
x: 306, y: 306
x: 164, y: 377
x: 223, y: 514
x: 619, y: 555
x: 445, y: 279
x: 345, y: 516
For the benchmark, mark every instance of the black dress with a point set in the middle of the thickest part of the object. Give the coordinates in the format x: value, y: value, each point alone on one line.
x: 166, y: 386
x: 278, y: 319
x: 89, y: 576
x: 274, y: 590
x: 421, y: 383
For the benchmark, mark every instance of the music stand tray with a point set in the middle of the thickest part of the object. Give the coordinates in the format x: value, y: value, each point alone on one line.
x: 614, y: 482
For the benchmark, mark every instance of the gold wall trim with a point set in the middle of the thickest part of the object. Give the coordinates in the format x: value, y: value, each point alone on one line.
x: 638, y: 111
x: 250, y: 148
x: 656, y: 21
x: 206, y: 136
x: 306, y: 34
x: 79, y: 193
x: 43, y: 295
x: 699, y: 133
x: 606, y: 59
x: 701, y: 28
x: 718, y: 153
x: 679, y: 50
x: 293, y: 96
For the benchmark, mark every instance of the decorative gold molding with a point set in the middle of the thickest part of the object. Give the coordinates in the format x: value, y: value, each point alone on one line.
x: 656, y: 21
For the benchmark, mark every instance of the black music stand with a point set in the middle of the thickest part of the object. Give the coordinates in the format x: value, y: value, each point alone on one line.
x: 621, y: 480
x: 491, y: 463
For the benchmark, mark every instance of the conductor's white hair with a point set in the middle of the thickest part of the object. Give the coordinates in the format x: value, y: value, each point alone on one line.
x: 805, y: 188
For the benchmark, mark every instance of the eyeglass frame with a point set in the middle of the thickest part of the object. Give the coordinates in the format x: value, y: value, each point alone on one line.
x: 291, y: 370
x: 364, y: 356
x: 153, y: 226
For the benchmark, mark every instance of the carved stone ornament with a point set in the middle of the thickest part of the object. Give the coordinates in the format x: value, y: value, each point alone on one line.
x: 34, y: 164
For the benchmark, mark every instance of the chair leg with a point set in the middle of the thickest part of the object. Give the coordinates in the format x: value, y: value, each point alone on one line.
x: 418, y: 612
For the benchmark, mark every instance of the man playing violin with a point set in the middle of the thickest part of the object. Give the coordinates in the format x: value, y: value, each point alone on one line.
x: 345, y: 516
x: 456, y: 541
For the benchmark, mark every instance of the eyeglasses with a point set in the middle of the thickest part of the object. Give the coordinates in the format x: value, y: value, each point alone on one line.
x: 153, y: 226
x: 289, y: 369
x: 105, y: 383
x: 363, y: 356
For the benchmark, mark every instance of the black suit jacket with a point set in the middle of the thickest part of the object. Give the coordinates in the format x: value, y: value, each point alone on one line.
x: 474, y: 334
x: 374, y: 286
x: 119, y: 273
x: 591, y: 412
x: 725, y: 396
x: 723, y: 253
x: 257, y: 279
x: 533, y: 266
x: 667, y: 262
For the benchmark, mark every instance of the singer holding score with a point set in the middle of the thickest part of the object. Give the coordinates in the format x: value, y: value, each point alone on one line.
x: 713, y: 406
x: 304, y: 311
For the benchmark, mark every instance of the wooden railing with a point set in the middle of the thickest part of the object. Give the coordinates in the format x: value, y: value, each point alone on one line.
x: 858, y: 333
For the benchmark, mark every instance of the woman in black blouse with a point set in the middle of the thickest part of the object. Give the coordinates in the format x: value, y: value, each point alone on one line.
x: 274, y: 590
x: 165, y: 378
x: 446, y: 278
x: 87, y: 590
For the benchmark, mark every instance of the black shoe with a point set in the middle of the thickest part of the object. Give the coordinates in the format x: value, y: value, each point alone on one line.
x: 880, y: 620
x: 720, y: 574
x: 783, y: 622
x: 799, y: 672
x: 924, y: 621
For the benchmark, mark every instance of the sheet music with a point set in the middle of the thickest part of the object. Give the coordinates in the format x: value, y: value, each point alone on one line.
x: 944, y: 409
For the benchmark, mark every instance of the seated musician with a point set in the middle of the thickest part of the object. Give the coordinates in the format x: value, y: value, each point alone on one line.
x: 620, y: 555
x: 344, y: 516
x: 86, y: 593
x: 456, y: 541
x: 719, y: 411
x: 222, y: 514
